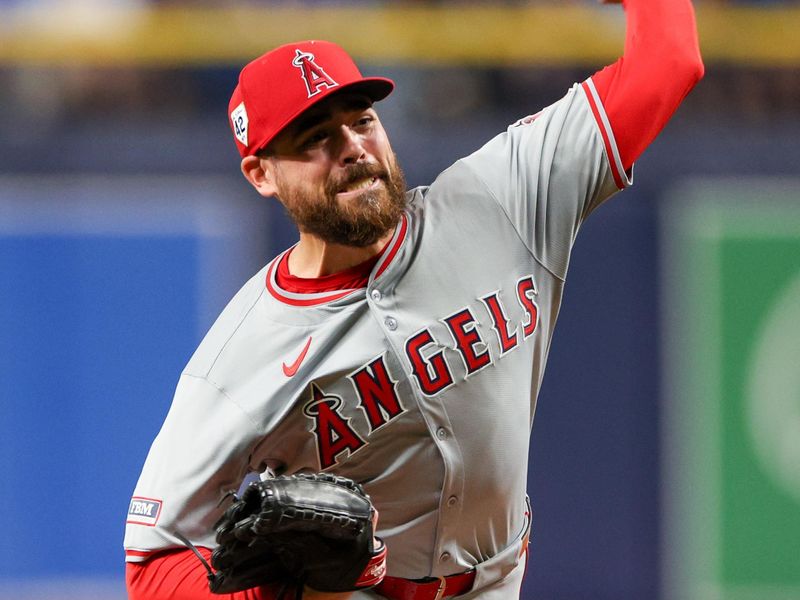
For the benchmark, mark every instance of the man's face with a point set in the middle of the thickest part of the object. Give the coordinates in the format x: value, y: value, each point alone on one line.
x: 336, y: 173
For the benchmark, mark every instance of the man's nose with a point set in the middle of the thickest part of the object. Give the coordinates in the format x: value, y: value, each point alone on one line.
x: 352, y: 149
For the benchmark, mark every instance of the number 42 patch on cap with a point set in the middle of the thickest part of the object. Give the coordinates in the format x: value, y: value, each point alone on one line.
x: 239, y: 121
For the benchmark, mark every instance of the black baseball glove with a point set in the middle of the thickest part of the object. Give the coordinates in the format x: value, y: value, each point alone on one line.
x: 303, y: 529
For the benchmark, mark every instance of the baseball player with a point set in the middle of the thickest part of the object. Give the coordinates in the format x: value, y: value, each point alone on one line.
x: 402, y: 341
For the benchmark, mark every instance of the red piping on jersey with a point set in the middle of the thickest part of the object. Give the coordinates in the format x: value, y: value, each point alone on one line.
x: 349, y: 279
x: 606, y: 141
x: 394, y: 249
x: 295, y: 301
x: 319, y: 298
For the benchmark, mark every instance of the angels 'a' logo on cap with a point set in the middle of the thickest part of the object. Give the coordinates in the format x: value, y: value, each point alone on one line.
x: 313, y: 75
x: 239, y: 122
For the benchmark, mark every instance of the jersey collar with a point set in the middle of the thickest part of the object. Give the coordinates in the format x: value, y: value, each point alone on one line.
x: 317, y: 298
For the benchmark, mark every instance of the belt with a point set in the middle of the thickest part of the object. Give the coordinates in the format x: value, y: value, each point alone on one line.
x: 430, y: 588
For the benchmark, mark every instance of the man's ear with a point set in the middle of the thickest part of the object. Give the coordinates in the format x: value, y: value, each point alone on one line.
x: 260, y: 174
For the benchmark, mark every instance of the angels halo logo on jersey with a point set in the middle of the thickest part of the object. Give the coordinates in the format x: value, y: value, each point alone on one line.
x: 313, y: 75
x: 239, y: 121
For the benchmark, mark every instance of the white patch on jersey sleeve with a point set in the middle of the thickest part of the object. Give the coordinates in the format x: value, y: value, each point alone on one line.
x: 201, y: 452
x: 144, y: 511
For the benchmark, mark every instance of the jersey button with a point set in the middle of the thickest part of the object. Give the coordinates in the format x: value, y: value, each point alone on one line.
x: 376, y: 295
x: 391, y: 323
x: 452, y: 501
x: 444, y: 557
x: 441, y: 433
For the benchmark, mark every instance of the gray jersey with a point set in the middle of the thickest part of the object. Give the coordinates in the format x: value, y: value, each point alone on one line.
x: 423, y: 385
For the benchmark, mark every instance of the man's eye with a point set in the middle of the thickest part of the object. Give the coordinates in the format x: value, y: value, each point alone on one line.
x: 315, y: 138
x: 364, y: 121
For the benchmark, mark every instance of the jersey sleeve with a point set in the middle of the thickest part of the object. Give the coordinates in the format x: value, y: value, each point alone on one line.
x: 550, y: 170
x: 201, y: 453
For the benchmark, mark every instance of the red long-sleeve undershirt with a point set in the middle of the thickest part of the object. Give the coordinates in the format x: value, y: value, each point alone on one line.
x: 661, y: 64
x: 179, y: 575
x: 639, y: 92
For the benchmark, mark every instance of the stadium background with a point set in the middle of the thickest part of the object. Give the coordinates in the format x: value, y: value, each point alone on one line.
x: 666, y: 448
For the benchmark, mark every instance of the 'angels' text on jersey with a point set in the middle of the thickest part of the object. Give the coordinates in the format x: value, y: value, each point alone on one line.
x: 376, y: 389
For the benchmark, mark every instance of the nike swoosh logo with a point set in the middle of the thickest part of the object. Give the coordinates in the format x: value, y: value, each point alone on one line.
x: 290, y: 370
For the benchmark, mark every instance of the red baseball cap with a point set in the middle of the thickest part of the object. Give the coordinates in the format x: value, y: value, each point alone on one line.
x: 277, y: 87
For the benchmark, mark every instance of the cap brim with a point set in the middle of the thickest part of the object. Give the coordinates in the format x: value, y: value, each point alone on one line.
x: 376, y: 88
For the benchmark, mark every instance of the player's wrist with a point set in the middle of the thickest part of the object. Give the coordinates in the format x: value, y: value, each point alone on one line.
x: 312, y: 594
x: 375, y: 570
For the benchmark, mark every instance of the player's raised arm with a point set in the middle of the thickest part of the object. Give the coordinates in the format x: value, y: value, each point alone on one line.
x: 661, y: 64
x: 552, y: 169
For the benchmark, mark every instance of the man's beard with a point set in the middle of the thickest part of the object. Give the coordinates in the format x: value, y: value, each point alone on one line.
x: 358, y: 221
